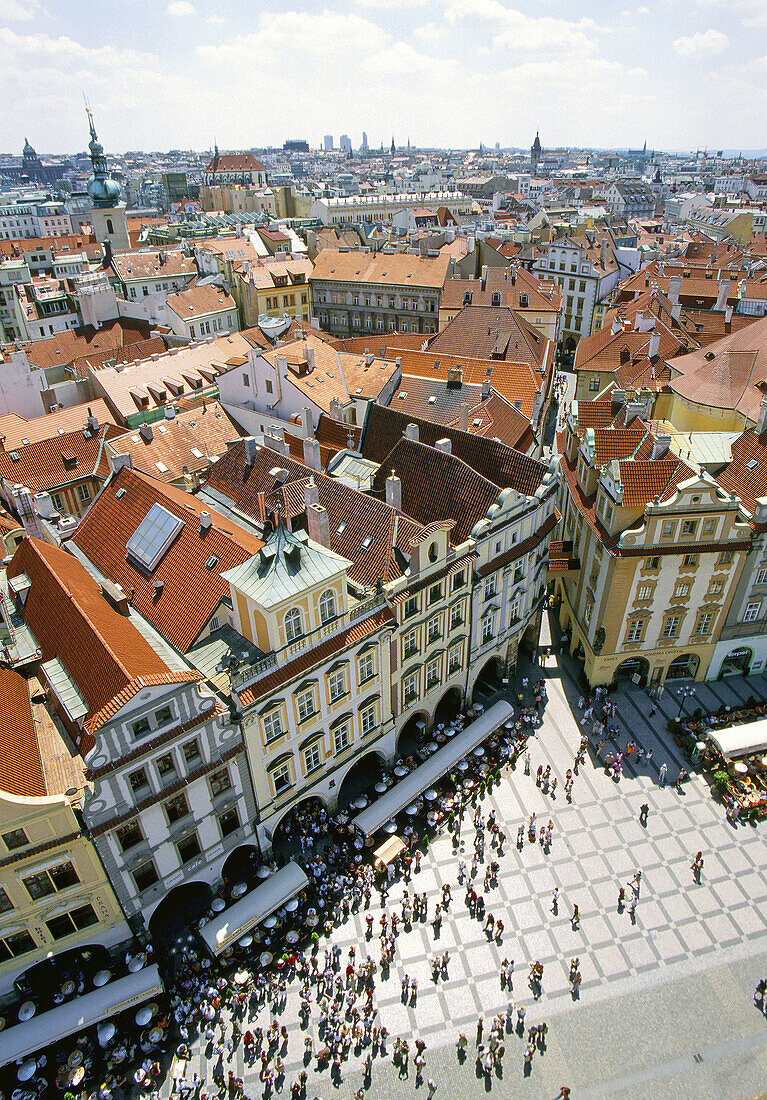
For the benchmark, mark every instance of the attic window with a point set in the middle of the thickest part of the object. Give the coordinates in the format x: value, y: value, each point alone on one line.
x: 432, y: 399
x: 752, y: 464
x: 367, y: 542
x: 212, y: 560
x: 120, y: 494
x: 402, y: 395
x: 710, y: 355
x: 341, y: 527
x: 476, y: 422
x: 14, y: 456
x: 69, y: 458
x: 153, y: 537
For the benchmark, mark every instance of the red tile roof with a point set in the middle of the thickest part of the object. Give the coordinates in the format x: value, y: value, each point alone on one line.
x: 21, y: 770
x: 41, y: 466
x: 14, y: 428
x: 748, y: 483
x: 190, y: 591
x: 491, y: 332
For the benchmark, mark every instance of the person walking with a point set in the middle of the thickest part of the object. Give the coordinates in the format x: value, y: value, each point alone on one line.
x: 555, y: 901
x: 644, y: 810
x: 662, y: 774
x: 576, y: 917
x: 697, y: 866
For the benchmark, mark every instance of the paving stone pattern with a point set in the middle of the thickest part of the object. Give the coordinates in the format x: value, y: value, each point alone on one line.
x: 598, y: 845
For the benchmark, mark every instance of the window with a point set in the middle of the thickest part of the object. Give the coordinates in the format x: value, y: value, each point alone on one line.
x: 682, y: 591
x: 725, y: 557
x: 459, y: 580
x: 487, y: 628
x: 56, y: 498
x: 761, y: 577
x: 272, y: 723
x: 704, y: 623
x: 15, y: 838
x: 188, y: 848
x: 141, y: 726
x: 19, y: 943
x: 191, y: 751
x: 708, y: 526
x: 410, y: 687
x: 305, y: 705
x: 341, y: 739
x: 456, y: 615
x: 410, y: 644
x: 671, y: 629
x: 51, y: 881
x: 176, y: 808
x: 220, y: 782
x: 327, y: 605
x: 513, y: 611
x: 594, y: 383
x: 689, y: 561
x: 645, y: 592
x: 294, y: 626
x: 435, y: 593
x: 366, y: 667
x: 68, y: 923
x: 587, y: 612
x: 312, y: 759
x: 689, y: 527
x: 368, y: 721
x: 491, y: 586
x: 667, y: 529
x: 336, y: 685
x: 166, y: 766
x: 245, y: 381
x: 715, y: 588
x: 6, y: 905
x: 752, y: 612
x: 281, y: 777
x: 84, y: 493
x: 268, y: 385
x: 129, y: 835
x: 153, y: 536
x: 652, y: 563
x: 411, y: 606
x: 228, y: 821
x: 635, y: 631
x: 138, y: 780
x: 454, y: 660
x: 432, y: 673
x: 433, y: 630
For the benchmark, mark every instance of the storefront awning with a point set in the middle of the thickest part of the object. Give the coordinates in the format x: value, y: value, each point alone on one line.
x: 403, y: 793
x: 77, y: 1015
x: 220, y: 932
x: 741, y: 740
x: 389, y: 851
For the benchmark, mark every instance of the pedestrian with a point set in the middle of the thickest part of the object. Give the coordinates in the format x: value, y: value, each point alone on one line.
x: 480, y: 1024
x: 621, y: 898
x: 555, y: 901
x: 662, y: 774
x: 431, y: 1087
x: 644, y: 810
x: 633, y: 908
x: 697, y: 866
x: 576, y: 917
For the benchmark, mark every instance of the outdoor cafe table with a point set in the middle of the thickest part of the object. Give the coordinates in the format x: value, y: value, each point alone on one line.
x: 426, y: 775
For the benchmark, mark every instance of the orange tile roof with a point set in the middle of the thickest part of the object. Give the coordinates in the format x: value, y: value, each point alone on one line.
x: 540, y: 296
x: 70, y: 619
x: 380, y: 269
x: 727, y: 374
x: 66, y: 347
x: 200, y: 300
x: 41, y: 466
x: 21, y: 769
x: 130, y: 266
x: 491, y: 332
x: 190, y: 591
x: 748, y: 483
x: 15, y: 429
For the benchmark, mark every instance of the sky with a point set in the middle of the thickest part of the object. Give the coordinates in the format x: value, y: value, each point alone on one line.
x: 163, y: 74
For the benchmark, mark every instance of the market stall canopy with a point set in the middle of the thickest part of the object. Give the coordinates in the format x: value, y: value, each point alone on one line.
x: 77, y: 1015
x: 389, y: 851
x: 220, y: 932
x: 742, y: 740
x: 427, y: 774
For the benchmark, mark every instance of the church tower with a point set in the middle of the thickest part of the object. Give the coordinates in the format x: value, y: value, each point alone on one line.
x: 110, y: 224
x: 535, y: 155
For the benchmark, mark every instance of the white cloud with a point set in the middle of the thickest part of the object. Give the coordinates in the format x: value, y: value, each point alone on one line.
x: 21, y: 10
x: 525, y: 32
x: 216, y: 20
x: 753, y: 13
x: 180, y: 7
x: 701, y: 44
x: 390, y: 4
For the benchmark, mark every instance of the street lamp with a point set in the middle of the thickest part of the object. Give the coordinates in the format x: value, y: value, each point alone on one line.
x: 684, y: 694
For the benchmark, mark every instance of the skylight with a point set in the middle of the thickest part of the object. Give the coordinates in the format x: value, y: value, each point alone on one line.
x: 153, y: 537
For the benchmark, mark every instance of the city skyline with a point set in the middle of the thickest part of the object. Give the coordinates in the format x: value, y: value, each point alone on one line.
x: 582, y: 74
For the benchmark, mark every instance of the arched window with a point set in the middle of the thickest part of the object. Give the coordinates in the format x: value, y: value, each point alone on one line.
x: 294, y: 627
x: 328, y: 605
x: 110, y: 227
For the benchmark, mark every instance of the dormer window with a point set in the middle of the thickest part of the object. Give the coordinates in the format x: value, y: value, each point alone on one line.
x: 294, y: 626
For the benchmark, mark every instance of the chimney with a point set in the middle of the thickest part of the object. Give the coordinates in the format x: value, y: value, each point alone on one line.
x: 660, y: 446
x: 145, y: 431
x: 394, y: 492
x: 676, y: 312
x: 618, y: 397
x: 760, y: 510
x: 652, y: 349
x: 728, y: 319
x: 603, y: 253
x: 311, y: 493
x: 761, y: 424
x: 319, y: 525
x: 277, y: 442
x: 170, y: 412
x: 454, y: 377
x: 721, y: 298
x: 93, y: 421
x: 674, y: 286
x: 485, y: 388
x: 634, y: 408
x: 308, y: 423
x: 369, y: 357
x: 116, y: 462
x: 336, y: 409
x: 411, y: 432
x: 309, y: 356
x: 463, y: 417
x: 251, y: 448
x: 443, y: 445
x: 312, y: 454
x: 617, y: 325
x: 638, y: 319
x: 484, y: 276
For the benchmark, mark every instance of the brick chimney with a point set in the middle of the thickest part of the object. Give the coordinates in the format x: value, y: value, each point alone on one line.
x: 312, y: 454
x: 443, y: 445
x: 394, y: 492
x: 319, y: 525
